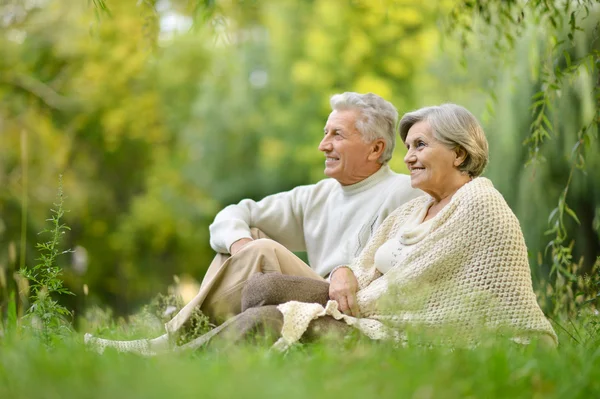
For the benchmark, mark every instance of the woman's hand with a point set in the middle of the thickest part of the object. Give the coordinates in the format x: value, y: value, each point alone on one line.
x: 342, y: 288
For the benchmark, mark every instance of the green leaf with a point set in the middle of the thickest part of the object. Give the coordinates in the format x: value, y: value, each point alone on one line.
x: 572, y: 213
x: 586, y: 140
x: 536, y: 104
x: 575, y: 147
x: 550, y: 244
x: 567, y: 58
x: 552, y: 215
x: 537, y: 95
x: 547, y: 122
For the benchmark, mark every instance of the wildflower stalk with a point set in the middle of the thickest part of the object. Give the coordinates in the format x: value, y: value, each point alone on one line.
x: 47, y: 317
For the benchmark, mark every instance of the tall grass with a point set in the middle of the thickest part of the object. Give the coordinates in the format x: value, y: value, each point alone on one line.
x: 329, y: 370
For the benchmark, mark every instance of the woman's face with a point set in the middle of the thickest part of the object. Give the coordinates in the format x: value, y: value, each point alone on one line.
x: 432, y: 165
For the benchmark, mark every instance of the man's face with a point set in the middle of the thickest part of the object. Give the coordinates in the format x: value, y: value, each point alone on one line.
x: 345, y: 151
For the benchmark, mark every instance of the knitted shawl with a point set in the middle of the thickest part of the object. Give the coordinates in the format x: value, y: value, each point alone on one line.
x: 464, y: 270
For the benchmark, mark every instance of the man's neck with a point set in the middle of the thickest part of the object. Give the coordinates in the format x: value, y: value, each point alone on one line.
x: 360, y: 177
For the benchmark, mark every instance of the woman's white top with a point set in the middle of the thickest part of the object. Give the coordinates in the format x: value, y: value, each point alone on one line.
x: 395, y: 250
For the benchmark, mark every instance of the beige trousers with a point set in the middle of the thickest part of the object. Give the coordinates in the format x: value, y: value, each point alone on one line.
x: 220, y: 293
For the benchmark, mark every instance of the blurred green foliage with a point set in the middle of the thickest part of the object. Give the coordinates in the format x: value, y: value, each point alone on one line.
x: 159, y: 113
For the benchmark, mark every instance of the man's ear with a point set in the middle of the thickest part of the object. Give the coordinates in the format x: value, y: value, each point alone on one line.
x: 377, y: 148
x: 460, y: 156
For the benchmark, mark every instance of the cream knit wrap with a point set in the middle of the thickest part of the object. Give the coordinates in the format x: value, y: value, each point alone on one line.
x: 466, y: 270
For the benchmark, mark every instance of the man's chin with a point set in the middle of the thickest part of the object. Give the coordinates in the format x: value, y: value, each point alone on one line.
x: 330, y: 172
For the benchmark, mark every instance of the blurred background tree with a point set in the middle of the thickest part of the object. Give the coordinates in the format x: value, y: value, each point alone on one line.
x: 160, y: 113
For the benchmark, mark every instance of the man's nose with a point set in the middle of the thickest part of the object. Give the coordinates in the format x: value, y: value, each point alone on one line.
x: 325, y: 144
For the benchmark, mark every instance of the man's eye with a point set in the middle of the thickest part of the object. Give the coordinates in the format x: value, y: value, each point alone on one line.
x: 420, y: 144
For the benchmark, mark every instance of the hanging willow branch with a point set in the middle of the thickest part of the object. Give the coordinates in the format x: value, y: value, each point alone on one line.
x: 505, y: 20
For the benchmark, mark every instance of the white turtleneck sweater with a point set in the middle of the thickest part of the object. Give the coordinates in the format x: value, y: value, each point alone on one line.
x: 329, y: 221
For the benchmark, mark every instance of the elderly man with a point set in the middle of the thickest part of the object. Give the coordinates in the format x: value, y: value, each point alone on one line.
x: 331, y: 220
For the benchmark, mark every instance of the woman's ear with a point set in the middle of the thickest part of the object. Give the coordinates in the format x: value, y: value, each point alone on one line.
x: 377, y: 148
x: 460, y: 156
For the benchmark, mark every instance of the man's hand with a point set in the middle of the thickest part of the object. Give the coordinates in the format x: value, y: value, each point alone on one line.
x: 238, y: 245
x: 342, y: 288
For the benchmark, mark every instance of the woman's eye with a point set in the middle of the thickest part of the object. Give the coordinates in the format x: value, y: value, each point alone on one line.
x: 420, y: 144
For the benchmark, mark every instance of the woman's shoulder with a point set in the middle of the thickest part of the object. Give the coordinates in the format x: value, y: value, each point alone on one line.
x: 481, y: 191
x: 482, y: 200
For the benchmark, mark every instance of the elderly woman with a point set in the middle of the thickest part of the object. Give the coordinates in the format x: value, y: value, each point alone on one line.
x: 454, y: 260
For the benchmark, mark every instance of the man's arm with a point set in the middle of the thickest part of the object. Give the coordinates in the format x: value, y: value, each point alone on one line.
x: 279, y: 216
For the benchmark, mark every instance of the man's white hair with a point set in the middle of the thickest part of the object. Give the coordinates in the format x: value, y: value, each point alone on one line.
x: 377, y: 119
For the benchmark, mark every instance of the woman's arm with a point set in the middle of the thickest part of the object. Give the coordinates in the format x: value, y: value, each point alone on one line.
x: 346, y: 281
x: 363, y: 266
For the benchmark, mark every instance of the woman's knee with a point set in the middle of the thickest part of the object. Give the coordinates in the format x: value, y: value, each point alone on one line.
x: 276, y: 288
x: 261, y: 289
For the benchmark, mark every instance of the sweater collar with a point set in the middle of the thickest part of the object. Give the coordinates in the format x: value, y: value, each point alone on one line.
x: 369, y: 182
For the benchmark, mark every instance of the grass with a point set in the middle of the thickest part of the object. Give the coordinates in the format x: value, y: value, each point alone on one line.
x: 357, y: 370
x: 31, y: 367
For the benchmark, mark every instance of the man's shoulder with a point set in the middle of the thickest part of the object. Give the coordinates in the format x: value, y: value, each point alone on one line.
x: 326, y: 184
x: 308, y: 193
x: 403, y: 178
x: 399, y: 187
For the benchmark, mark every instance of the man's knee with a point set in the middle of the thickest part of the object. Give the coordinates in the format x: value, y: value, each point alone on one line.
x: 257, y: 233
x: 262, y: 244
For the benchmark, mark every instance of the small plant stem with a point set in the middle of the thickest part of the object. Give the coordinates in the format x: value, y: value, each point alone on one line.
x: 24, y: 204
x: 24, y: 164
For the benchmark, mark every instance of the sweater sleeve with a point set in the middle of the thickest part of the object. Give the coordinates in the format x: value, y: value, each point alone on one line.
x: 279, y: 216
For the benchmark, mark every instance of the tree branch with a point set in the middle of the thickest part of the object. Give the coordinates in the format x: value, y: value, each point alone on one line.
x: 42, y: 91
